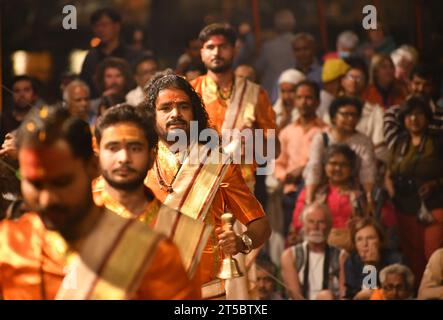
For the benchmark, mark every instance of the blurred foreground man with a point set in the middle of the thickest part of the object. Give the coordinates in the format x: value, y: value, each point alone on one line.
x: 57, y: 167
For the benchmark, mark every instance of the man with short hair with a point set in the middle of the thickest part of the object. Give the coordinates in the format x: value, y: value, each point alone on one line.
x: 202, y: 189
x: 421, y: 84
x: 231, y: 102
x: 76, y: 96
x: 310, y: 269
x: 266, y: 275
x: 295, y: 141
x: 106, y: 24
x: 145, y: 68
x: 57, y: 167
x: 127, y: 144
x: 303, y: 46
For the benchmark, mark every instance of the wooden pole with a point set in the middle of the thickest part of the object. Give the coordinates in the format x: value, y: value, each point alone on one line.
x: 256, y: 21
x: 419, y: 24
x: 322, y: 24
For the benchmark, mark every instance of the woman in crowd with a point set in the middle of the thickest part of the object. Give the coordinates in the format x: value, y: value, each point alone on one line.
x: 414, y: 181
x: 369, y: 249
x: 345, y: 113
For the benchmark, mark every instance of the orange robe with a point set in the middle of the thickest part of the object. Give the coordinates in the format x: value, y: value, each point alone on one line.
x: 29, y: 253
x: 232, y: 196
x: 397, y: 96
x: 216, y: 108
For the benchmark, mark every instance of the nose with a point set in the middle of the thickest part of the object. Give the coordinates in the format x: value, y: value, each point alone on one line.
x: 47, y: 198
x: 123, y: 156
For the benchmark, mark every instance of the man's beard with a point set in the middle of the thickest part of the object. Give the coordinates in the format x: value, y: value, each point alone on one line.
x: 315, y: 237
x: 221, y: 68
x: 74, y: 216
x: 128, y: 185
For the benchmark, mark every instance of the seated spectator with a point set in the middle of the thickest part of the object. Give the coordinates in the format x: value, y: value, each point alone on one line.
x: 414, y: 181
x: 284, y: 107
x: 295, y: 143
x: 190, y: 56
x: 145, y: 68
x: 345, y: 113
x: 384, y: 89
x: 333, y: 72
x: 77, y: 100
x: 310, y: 269
x: 266, y: 275
x: 422, y: 83
x: 113, y: 77
x: 340, y: 193
x: 106, y: 24
x: 24, y: 98
x: 245, y: 71
x: 369, y: 248
x: 371, y: 122
x: 405, y: 58
x: 397, y: 283
x: 431, y: 287
x: 346, y: 44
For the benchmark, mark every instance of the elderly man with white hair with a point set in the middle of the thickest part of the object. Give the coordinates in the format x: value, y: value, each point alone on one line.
x: 311, y: 269
x: 397, y: 283
x: 76, y: 96
x: 346, y: 45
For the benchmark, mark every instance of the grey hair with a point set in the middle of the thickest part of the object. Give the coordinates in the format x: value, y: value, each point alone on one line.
x: 347, y: 39
x: 74, y: 83
x: 317, y: 205
x: 398, y: 268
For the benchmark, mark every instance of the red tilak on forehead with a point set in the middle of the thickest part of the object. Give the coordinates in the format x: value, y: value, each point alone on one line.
x: 37, y: 162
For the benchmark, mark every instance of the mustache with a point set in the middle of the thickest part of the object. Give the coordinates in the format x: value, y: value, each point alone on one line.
x: 124, y: 167
x: 174, y: 122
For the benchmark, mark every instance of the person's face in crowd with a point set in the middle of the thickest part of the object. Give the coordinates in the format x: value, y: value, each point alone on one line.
x: 403, y: 69
x: 416, y: 121
x: 217, y: 54
x: 354, y: 82
x: 114, y: 80
x: 124, y: 156
x: 420, y: 87
x: 23, y: 95
x: 338, y: 169
x: 395, y: 287
x: 346, y: 118
x: 173, y: 112
x: 316, y: 226
x: 56, y: 184
x: 306, y: 102
x: 244, y: 71
x: 367, y: 244
x: 106, y: 29
x: 287, y: 94
x: 265, y: 284
x: 303, y: 51
x: 385, y: 72
x: 376, y: 35
x: 144, y: 72
x: 79, y: 101
x: 193, y: 49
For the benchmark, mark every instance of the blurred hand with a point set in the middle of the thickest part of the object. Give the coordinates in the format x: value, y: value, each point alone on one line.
x: 8, y: 148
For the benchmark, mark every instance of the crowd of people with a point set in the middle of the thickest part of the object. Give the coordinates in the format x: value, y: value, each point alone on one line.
x: 98, y: 203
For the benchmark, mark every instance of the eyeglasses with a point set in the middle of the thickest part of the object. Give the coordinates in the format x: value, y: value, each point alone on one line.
x: 355, y: 78
x: 391, y: 287
x: 338, y: 164
x: 348, y: 114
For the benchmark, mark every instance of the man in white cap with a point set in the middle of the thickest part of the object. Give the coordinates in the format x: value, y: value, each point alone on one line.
x: 284, y: 107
